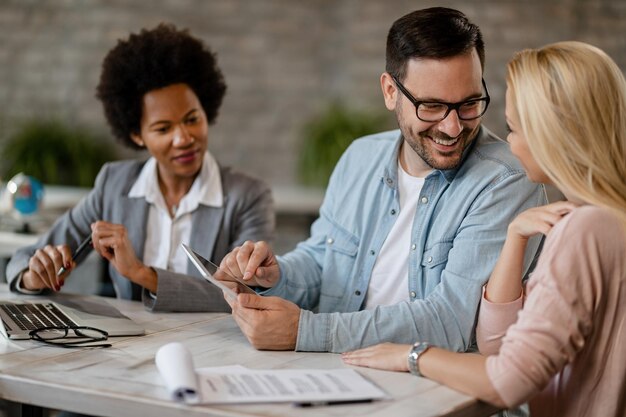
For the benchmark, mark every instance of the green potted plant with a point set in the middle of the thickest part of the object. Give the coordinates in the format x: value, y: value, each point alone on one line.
x: 327, y: 136
x: 55, y: 154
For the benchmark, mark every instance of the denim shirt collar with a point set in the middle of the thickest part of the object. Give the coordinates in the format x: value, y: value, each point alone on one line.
x: 390, y: 173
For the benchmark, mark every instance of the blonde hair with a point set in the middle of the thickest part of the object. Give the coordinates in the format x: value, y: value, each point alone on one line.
x: 571, y: 100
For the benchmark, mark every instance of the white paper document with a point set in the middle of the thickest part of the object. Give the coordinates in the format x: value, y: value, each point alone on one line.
x: 238, y: 385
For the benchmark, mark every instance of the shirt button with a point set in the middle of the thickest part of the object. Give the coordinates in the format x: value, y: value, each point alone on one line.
x: 393, y: 211
x: 413, y: 294
x: 413, y: 246
x: 330, y: 240
x: 389, y: 181
x: 424, y: 200
x: 372, y: 252
x: 430, y: 259
x: 357, y: 292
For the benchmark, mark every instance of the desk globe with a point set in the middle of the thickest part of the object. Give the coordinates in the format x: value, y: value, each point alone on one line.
x: 26, y: 194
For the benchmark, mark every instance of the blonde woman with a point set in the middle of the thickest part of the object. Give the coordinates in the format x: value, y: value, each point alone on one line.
x: 565, y: 349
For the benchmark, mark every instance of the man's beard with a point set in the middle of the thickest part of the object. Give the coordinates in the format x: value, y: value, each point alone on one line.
x: 421, y: 146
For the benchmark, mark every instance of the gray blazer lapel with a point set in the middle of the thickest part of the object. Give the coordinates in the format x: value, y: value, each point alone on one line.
x: 206, y: 226
x: 134, y: 215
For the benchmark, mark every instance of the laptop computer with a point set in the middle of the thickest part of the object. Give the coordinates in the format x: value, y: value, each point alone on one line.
x: 20, y: 317
x: 209, y: 271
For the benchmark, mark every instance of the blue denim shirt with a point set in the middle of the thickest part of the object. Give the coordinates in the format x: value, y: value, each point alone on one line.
x: 458, y: 231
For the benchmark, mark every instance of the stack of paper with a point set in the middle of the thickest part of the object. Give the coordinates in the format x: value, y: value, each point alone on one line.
x: 237, y: 384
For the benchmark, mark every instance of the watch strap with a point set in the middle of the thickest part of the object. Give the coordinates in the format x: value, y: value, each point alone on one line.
x: 416, y: 351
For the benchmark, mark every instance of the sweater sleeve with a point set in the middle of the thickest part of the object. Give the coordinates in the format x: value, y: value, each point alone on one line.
x: 493, y: 321
x: 557, y: 318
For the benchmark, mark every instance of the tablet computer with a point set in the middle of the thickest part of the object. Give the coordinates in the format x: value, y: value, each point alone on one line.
x: 211, y: 272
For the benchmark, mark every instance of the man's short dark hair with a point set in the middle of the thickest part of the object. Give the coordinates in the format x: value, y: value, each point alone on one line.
x: 435, y: 33
x: 151, y: 60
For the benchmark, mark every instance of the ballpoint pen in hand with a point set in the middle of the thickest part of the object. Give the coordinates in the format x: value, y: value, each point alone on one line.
x: 81, y: 248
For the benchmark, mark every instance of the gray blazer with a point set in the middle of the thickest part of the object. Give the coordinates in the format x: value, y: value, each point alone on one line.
x: 247, y: 214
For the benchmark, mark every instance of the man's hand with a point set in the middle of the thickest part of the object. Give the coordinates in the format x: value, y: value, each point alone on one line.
x: 254, y: 262
x: 269, y: 323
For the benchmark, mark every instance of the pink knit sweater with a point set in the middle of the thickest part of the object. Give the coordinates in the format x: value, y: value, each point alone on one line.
x: 565, y: 352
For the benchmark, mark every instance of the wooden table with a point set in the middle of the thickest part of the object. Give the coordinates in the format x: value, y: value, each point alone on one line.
x: 122, y: 381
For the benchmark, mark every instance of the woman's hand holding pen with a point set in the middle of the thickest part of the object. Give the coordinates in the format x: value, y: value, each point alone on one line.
x: 44, y: 265
x: 111, y: 241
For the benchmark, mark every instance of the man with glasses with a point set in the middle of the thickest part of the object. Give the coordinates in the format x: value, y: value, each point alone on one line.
x: 413, y: 220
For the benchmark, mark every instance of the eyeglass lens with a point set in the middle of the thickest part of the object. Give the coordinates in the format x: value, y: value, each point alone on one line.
x: 60, y: 333
x: 438, y: 111
x: 80, y: 336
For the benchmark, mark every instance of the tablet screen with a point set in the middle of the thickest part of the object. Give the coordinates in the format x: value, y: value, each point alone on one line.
x: 217, y: 276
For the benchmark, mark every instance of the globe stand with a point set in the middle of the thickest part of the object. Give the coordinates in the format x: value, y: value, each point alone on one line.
x: 25, y: 229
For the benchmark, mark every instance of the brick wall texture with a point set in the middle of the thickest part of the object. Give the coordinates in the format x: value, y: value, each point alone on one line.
x: 283, y: 60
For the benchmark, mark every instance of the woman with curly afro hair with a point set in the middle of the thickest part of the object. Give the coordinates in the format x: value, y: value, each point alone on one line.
x: 161, y: 89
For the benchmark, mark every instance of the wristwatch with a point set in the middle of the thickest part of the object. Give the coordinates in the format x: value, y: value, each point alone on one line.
x: 414, y: 354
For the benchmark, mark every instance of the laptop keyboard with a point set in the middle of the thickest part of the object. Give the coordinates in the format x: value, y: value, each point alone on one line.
x: 36, y: 316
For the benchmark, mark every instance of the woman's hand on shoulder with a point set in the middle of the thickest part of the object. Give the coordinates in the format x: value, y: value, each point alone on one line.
x: 539, y: 219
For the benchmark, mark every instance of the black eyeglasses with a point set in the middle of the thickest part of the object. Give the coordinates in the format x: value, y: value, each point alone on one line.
x: 71, y: 337
x: 436, y: 111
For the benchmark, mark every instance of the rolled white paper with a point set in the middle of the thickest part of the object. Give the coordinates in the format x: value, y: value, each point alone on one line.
x: 175, y: 365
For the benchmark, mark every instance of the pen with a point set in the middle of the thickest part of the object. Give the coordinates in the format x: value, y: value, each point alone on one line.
x: 81, y: 248
x: 338, y: 402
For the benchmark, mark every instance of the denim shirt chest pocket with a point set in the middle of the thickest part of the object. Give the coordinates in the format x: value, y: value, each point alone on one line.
x: 433, y: 263
x: 339, y: 263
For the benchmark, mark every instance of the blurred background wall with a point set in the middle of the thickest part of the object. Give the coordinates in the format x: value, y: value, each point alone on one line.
x: 284, y: 61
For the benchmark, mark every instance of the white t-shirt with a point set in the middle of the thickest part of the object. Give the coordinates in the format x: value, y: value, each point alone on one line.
x: 389, y: 283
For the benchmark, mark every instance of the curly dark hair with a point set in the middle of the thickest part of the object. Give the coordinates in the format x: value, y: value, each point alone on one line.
x: 151, y: 60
